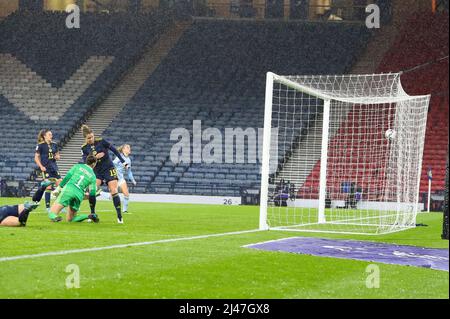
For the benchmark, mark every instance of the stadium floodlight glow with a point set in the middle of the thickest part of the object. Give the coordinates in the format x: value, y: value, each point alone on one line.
x: 350, y: 151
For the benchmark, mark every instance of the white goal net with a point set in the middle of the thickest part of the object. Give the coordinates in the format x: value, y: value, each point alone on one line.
x: 349, y: 154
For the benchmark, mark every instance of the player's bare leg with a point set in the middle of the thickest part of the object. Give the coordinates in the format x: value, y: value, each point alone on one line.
x: 70, y: 214
x: 57, y: 182
x: 25, y: 209
x: 18, y: 214
x: 10, y: 221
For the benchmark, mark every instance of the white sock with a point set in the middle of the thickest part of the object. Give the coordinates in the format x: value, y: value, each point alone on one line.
x: 125, y: 203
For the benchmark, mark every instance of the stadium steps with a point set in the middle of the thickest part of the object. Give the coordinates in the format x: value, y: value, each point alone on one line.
x: 111, y: 107
x: 35, y: 97
x: 382, y: 40
x: 375, y: 51
x: 308, y: 152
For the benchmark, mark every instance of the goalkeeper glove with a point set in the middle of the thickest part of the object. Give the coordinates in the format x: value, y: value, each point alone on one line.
x: 56, y: 192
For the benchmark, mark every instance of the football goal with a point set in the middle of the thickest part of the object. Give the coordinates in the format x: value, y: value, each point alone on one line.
x: 349, y: 154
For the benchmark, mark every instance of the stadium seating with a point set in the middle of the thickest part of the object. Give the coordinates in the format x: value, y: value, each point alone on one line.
x: 423, y: 39
x: 216, y: 74
x: 52, y: 77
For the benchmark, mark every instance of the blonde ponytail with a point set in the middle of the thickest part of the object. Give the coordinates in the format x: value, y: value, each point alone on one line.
x: 86, y: 130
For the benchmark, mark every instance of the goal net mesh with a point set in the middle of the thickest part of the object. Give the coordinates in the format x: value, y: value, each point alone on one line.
x: 349, y: 154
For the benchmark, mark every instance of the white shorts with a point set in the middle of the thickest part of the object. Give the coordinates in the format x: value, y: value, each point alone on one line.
x: 121, y: 182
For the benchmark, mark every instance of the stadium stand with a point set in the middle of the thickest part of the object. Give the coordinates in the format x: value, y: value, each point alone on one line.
x: 421, y: 40
x: 53, y: 77
x: 424, y: 38
x: 219, y: 80
x: 216, y: 74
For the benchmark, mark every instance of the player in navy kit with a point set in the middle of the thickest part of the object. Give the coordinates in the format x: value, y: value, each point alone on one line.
x: 17, y: 215
x: 47, y: 153
x: 105, y: 171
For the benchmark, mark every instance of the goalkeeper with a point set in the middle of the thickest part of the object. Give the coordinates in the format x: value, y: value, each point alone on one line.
x: 71, y: 192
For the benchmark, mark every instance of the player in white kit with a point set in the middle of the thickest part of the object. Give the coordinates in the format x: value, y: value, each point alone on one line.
x: 123, y: 173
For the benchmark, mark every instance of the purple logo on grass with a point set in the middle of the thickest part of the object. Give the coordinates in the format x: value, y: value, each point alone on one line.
x: 361, y: 250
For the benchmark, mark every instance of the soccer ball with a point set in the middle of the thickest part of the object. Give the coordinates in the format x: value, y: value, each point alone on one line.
x: 390, y: 134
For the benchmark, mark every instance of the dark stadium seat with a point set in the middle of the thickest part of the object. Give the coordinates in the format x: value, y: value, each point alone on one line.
x: 40, y: 44
x: 423, y: 39
x: 216, y: 73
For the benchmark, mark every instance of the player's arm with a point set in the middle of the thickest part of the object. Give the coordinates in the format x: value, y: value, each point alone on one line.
x: 115, y: 151
x: 93, y: 187
x: 57, y: 154
x: 66, y: 179
x: 116, y: 162
x: 84, y: 154
x: 37, y: 158
x: 131, y: 177
x: 99, y: 155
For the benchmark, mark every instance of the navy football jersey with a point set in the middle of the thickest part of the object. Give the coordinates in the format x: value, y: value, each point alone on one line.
x: 47, y: 153
x: 100, y: 146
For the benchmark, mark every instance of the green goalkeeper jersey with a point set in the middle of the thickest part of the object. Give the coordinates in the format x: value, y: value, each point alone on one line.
x: 82, y: 177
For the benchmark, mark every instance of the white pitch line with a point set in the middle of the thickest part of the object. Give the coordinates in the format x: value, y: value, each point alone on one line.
x: 269, y: 241
x: 146, y: 243
x: 97, y: 211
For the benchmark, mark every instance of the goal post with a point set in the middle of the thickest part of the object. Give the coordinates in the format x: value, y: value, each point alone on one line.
x: 324, y: 161
x: 349, y: 154
x: 266, y: 152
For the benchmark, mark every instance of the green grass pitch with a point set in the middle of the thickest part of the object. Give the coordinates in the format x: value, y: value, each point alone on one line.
x: 214, y: 267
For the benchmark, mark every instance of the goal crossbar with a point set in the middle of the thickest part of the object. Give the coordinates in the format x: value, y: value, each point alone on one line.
x: 323, y: 119
x: 357, y: 100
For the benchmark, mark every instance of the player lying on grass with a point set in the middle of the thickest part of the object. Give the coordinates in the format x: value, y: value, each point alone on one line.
x: 17, y: 215
x: 71, y: 192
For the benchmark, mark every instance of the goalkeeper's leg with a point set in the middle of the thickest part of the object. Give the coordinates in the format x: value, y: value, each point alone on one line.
x: 55, y: 210
x: 64, y: 200
x: 73, y: 216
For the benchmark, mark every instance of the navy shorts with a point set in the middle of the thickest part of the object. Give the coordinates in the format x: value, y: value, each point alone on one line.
x: 8, y: 211
x: 107, y: 175
x: 51, y: 174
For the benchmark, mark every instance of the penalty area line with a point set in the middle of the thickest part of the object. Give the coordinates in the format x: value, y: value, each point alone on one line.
x: 146, y: 243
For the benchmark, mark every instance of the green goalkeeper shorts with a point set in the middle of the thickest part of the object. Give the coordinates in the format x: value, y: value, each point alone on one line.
x: 70, y: 197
